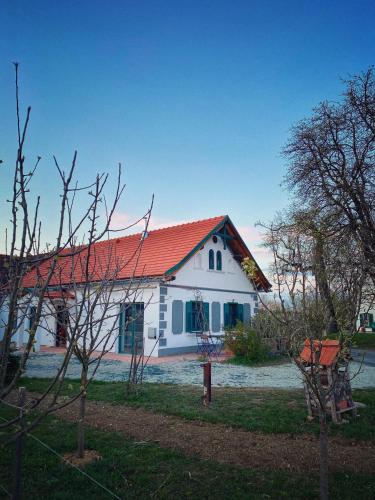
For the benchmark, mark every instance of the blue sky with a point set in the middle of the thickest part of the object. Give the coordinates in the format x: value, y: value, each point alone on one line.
x: 196, y: 99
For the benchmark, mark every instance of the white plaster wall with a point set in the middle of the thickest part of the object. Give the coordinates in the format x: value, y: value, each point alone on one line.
x: 231, y: 277
x: 47, y: 326
x: 3, y: 317
x: 186, y: 339
x: 148, y: 295
x: 225, y: 286
x: 20, y: 336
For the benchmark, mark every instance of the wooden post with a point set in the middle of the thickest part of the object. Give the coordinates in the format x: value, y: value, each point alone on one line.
x: 332, y: 381
x: 206, y: 383
x: 308, y: 400
x: 19, y: 446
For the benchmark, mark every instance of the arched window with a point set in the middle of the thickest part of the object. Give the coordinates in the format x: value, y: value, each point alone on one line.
x: 218, y: 261
x: 211, y: 258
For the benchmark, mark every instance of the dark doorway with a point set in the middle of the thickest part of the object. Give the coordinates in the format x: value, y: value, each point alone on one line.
x: 131, y: 328
x: 62, y: 319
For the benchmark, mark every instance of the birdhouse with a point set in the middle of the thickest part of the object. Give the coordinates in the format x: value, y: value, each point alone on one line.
x: 327, y: 374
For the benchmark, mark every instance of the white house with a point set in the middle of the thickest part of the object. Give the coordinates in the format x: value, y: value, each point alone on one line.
x: 179, y: 271
x: 365, y: 321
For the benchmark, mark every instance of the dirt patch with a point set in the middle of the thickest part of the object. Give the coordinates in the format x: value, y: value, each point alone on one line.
x: 297, y: 453
x: 90, y: 456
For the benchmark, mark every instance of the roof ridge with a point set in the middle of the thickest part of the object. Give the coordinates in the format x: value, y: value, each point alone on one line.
x: 188, y: 223
x: 160, y: 229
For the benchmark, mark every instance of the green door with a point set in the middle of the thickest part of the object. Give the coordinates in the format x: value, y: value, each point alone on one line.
x: 131, y: 328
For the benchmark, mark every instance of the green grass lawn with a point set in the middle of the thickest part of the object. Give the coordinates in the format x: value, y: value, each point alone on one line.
x: 144, y: 470
x: 364, y: 340
x: 360, y: 340
x: 268, y: 410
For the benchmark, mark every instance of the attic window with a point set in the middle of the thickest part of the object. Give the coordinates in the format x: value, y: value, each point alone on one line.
x: 214, y: 239
x: 211, y: 259
x: 219, y: 265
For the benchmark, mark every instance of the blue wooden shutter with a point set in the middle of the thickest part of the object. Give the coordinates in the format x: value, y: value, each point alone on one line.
x: 211, y: 259
x: 177, y: 316
x: 218, y: 261
x: 226, y: 316
x: 206, y: 312
x: 32, y: 314
x: 121, y: 323
x: 215, y: 317
x: 246, y: 314
x: 189, y: 314
x: 240, y: 312
x: 370, y: 319
x: 362, y: 319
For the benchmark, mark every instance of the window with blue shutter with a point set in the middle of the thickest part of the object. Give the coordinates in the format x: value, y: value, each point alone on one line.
x: 233, y: 312
x: 211, y: 259
x: 219, y: 264
x: 366, y: 319
x: 197, y: 316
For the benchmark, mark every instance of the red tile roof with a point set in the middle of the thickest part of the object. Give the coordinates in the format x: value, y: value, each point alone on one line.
x: 329, y: 352
x: 161, y: 253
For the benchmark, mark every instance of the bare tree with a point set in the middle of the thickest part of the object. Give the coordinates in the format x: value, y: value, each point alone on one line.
x: 318, y: 282
x: 317, y: 268
x: 76, y: 274
x: 323, y: 249
x: 331, y: 158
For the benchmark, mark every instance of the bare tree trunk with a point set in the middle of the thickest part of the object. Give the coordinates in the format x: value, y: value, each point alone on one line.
x: 321, y: 276
x: 323, y: 449
x: 82, y: 414
x: 17, y: 493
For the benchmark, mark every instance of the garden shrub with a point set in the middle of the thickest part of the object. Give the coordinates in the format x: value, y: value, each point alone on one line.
x: 245, y: 343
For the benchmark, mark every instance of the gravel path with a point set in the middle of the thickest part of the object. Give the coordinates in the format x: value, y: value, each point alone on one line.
x: 284, y: 376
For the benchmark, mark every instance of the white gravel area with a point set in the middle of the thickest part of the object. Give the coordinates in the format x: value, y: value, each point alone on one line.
x: 285, y: 376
